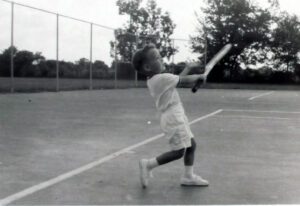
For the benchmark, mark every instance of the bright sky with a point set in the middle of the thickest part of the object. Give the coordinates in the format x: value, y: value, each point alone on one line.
x: 36, y: 31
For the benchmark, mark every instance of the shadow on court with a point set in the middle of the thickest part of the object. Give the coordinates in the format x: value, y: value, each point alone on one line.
x: 249, y: 152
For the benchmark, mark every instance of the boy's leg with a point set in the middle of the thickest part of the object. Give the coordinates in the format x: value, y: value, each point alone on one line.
x: 170, y: 156
x: 189, y: 159
x: 189, y: 178
x: 165, y: 158
x: 147, y: 165
x: 190, y: 154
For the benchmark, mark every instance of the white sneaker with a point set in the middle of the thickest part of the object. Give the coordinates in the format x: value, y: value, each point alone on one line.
x: 194, y: 181
x: 145, y: 172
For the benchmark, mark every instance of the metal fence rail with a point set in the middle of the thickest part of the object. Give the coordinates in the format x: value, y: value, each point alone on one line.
x: 58, y: 17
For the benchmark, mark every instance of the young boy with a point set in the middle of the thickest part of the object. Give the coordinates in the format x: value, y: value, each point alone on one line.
x: 174, y: 123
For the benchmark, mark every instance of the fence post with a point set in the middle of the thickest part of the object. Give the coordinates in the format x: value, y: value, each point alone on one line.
x: 136, y: 79
x: 57, y: 52
x: 205, y: 51
x: 12, y: 50
x: 173, y: 57
x: 116, y: 70
x: 136, y: 73
x: 91, y: 58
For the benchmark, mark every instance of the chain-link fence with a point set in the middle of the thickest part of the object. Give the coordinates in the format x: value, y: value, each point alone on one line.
x: 78, y: 53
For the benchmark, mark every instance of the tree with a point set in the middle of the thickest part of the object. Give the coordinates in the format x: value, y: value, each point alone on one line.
x: 5, y: 61
x: 239, y: 22
x: 286, y: 41
x: 82, y: 66
x: 100, y: 69
x: 145, y: 24
x: 25, y: 62
x: 29, y: 64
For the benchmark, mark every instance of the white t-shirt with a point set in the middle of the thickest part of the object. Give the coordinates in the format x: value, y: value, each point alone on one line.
x: 173, y: 120
x: 162, y: 88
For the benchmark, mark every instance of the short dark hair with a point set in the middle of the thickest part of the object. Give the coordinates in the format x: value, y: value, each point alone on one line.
x: 140, y: 57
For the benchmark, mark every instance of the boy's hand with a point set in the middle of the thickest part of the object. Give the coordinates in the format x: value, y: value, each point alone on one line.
x: 198, y: 83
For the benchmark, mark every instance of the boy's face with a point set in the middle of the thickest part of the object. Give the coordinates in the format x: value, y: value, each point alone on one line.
x: 154, y: 63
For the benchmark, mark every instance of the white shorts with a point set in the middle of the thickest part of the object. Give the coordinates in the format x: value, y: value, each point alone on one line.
x: 175, y: 126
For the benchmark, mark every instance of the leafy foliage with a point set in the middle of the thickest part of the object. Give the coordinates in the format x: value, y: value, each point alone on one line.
x: 146, y: 24
x: 259, y: 35
x: 286, y: 41
x: 29, y: 64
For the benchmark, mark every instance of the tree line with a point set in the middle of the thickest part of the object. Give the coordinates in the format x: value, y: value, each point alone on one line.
x: 29, y: 64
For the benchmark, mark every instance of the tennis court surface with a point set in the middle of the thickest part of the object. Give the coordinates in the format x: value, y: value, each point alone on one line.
x: 83, y: 148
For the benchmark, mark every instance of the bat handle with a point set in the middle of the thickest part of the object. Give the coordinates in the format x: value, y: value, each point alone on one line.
x: 195, y: 88
x: 197, y: 85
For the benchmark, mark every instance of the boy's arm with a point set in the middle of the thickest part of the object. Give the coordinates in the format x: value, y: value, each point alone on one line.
x: 188, y: 68
x: 184, y: 78
x: 189, y: 79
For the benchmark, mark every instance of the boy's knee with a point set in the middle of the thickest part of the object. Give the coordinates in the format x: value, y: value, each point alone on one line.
x: 179, y: 153
x: 193, y: 145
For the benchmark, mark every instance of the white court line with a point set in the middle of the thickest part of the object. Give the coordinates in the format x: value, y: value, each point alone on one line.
x: 261, y: 95
x: 60, y: 178
x: 261, y: 111
x: 252, y: 117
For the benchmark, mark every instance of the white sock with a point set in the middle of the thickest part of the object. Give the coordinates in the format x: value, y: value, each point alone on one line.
x: 189, y: 172
x: 152, y: 163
